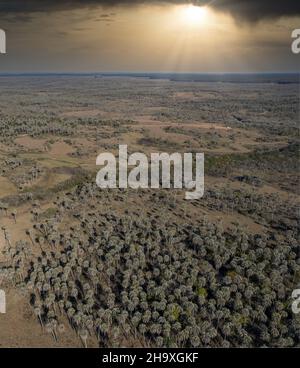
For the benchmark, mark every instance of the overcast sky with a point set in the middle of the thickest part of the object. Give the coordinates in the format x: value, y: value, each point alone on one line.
x: 134, y: 35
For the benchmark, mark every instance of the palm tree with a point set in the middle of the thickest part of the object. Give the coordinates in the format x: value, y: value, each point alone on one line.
x: 38, y: 314
x: 83, y: 334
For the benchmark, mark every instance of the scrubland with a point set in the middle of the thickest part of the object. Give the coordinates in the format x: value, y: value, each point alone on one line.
x: 88, y: 267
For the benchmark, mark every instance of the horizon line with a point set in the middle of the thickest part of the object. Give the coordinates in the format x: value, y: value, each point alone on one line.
x: 143, y: 73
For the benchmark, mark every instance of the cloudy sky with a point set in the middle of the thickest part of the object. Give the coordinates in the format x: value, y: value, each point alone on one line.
x: 136, y: 35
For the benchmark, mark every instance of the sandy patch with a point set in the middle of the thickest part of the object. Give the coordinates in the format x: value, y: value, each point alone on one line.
x: 20, y: 328
x: 53, y: 179
x: 16, y: 230
x: 146, y: 121
x: 7, y: 149
x: 31, y: 143
x: 60, y: 149
x: 184, y: 95
x: 82, y: 113
x: 6, y: 187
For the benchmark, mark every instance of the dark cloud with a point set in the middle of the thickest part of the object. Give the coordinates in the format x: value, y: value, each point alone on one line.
x: 250, y: 10
x: 254, y: 10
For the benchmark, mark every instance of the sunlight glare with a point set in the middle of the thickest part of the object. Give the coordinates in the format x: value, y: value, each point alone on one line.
x: 194, y: 15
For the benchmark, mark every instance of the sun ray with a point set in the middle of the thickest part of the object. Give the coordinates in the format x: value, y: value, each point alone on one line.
x: 194, y: 15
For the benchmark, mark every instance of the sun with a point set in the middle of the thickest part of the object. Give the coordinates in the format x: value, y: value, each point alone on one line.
x: 194, y: 15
